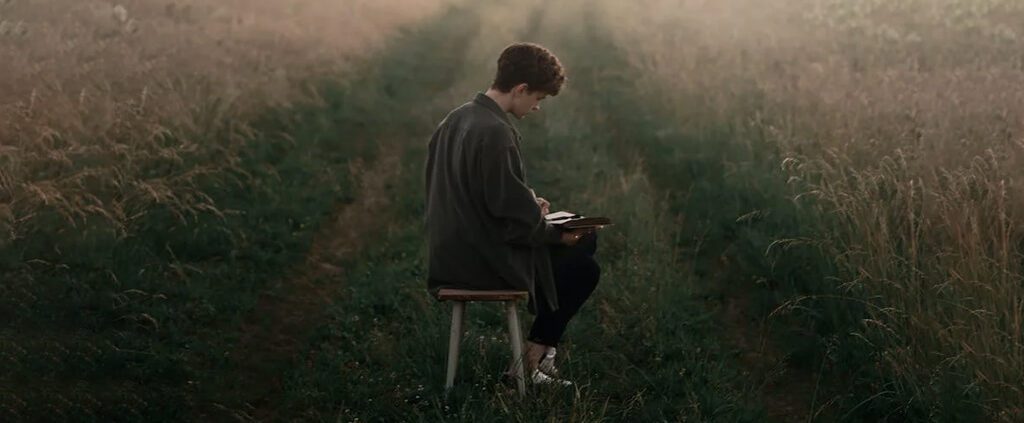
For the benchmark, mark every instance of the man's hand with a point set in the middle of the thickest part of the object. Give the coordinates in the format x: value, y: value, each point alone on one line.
x: 571, y: 237
x: 545, y: 206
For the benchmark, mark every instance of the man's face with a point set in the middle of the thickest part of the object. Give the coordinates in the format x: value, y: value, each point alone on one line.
x: 525, y: 101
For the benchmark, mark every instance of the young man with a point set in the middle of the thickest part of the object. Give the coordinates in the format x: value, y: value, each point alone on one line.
x: 485, y: 225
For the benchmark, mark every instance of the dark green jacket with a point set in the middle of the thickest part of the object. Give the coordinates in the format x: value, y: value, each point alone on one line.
x: 484, y: 227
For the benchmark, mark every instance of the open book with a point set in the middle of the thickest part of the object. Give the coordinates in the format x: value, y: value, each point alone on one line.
x: 567, y: 220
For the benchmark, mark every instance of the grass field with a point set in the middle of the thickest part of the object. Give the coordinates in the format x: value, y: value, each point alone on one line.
x: 213, y: 211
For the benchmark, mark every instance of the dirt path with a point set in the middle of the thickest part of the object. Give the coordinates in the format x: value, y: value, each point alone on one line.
x: 786, y: 393
x: 275, y: 330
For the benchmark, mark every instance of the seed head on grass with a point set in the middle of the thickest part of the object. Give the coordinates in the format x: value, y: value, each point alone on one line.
x: 120, y: 14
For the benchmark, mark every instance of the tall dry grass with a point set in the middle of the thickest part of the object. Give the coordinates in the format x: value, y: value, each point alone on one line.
x: 112, y: 109
x: 147, y: 195
x: 900, y: 124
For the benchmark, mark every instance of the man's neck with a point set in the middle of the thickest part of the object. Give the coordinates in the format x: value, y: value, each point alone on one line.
x: 504, y: 100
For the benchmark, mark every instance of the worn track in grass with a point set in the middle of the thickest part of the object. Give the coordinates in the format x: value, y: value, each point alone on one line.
x: 275, y: 330
x: 785, y: 392
x: 373, y: 107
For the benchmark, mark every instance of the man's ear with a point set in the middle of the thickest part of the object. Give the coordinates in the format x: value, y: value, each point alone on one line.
x: 521, y: 89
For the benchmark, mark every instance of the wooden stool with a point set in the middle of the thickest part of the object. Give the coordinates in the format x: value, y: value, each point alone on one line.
x: 460, y: 297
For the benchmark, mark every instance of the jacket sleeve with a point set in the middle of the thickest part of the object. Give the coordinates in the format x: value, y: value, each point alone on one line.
x: 506, y: 195
x: 428, y: 168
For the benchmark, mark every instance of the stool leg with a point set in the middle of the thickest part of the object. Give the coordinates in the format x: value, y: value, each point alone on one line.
x: 516, y: 337
x: 454, y: 339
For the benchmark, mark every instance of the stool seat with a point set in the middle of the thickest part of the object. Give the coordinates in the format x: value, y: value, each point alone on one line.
x: 447, y: 294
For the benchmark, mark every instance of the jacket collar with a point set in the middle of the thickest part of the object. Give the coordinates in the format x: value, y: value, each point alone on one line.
x: 489, y: 104
x: 483, y: 100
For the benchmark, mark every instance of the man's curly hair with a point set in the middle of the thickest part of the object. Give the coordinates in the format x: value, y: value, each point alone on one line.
x: 531, y: 64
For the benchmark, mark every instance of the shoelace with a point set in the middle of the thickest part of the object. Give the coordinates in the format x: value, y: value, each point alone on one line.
x: 546, y: 373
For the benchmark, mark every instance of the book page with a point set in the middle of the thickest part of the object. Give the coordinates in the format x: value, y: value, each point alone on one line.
x: 559, y: 215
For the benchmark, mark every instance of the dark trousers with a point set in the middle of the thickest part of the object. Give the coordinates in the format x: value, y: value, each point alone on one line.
x: 576, y: 274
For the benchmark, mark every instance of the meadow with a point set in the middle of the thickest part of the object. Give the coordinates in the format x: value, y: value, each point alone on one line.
x: 151, y: 189
x: 213, y: 210
x: 856, y: 164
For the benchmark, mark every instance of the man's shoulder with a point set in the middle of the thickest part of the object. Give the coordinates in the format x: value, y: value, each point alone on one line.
x: 476, y: 112
x: 478, y: 120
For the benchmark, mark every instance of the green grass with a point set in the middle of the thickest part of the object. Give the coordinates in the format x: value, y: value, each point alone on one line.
x: 643, y: 349
x: 136, y: 327
x: 740, y: 209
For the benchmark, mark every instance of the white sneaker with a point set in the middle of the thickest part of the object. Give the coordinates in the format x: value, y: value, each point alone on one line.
x: 540, y: 378
x: 536, y: 378
x: 547, y: 362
